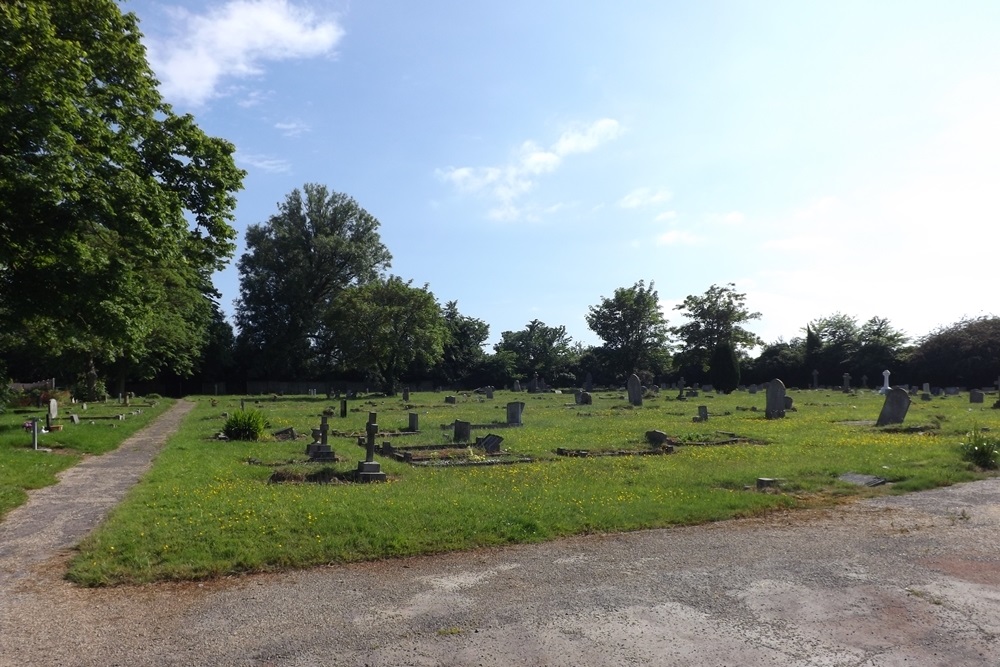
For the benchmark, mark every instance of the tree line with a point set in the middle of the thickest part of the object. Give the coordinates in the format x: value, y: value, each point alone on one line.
x: 115, y: 212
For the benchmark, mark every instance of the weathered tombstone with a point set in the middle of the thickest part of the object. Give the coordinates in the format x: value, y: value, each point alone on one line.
x: 414, y: 424
x: 588, y: 383
x: 703, y: 413
x: 897, y: 402
x: 514, y: 410
x: 846, y: 387
x: 84, y: 406
x: 752, y: 389
x: 927, y: 387
x: 656, y: 437
x: 75, y: 419
x: 586, y: 398
x: 463, y: 431
x: 925, y: 396
x: 489, y: 393
x: 343, y: 408
x: 372, y: 417
x: 885, y: 382
x: 577, y: 394
x: 789, y: 401
x: 517, y: 385
x: 53, y: 408
x: 775, y: 407
x: 450, y: 400
x: 634, y: 390
x: 952, y: 391
x: 976, y: 396
x: 406, y: 394
x: 491, y: 444
x: 533, y: 385
x: 815, y: 375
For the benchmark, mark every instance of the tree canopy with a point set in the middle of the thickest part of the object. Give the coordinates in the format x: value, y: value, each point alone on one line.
x: 632, y: 327
x: 318, y: 244
x: 715, y: 317
x: 111, y: 206
x: 538, y: 349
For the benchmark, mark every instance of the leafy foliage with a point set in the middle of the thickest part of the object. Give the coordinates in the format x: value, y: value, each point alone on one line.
x: 538, y: 349
x: 632, y: 327
x: 296, y: 264
x: 981, y: 449
x: 966, y: 352
x: 463, y: 355
x: 724, y: 371
x: 248, y: 425
x: 715, y: 317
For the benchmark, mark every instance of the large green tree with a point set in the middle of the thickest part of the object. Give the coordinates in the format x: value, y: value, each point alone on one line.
x: 538, y: 349
x: 463, y: 356
x: 966, y: 352
x: 632, y: 326
x: 318, y: 244
x: 384, y: 328
x: 715, y: 317
x: 111, y: 205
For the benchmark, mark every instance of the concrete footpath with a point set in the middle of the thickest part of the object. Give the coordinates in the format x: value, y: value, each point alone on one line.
x: 910, y: 580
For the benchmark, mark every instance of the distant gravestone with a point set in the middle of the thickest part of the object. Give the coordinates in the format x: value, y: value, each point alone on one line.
x: 406, y: 394
x: 533, y: 385
x: 656, y: 438
x: 846, y: 387
x: 927, y: 387
x: 491, y: 444
x: 414, y: 424
x: 703, y: 413
x: 634, y: 387
x: 343, y: 408
x: 577, y: 396
x: 925, y: 396
x: 885, y: 382
x: 517, y: 385
x: 450, y: 400
x: 75, y: 419
x: 489, y: 393
x: 976, y: 396
x: 752, y: 389
x: 588, y: 383
x: 897, y: 403
x: 775, y: 407
x: 53, y: 408
x: 788, y: 402
x: 586, y: 398
x: 952, y: 391
x: 514, y: 410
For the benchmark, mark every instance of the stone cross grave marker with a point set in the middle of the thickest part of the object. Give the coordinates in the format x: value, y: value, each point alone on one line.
x: 634, y: 390
x: 885, y: 382
x: 897, y: 403
x: 775, y: 407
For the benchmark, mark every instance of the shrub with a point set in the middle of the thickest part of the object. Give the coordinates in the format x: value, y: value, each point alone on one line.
x: 245, y: 425
x: 981, y: 449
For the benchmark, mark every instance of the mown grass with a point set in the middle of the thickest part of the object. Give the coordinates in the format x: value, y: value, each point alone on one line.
x: 207, y: 508
x: 23, y: 469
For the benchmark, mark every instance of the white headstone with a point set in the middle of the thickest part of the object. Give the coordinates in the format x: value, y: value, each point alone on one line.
x: 885, y: 382
x: 53, y: 408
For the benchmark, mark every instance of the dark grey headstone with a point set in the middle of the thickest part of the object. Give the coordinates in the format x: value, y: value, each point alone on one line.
x: 976, y: 396
x: 775, y: 407
x: 489, y: 393
x: 656, y: 438
x: 897, y: 403
x: 514, y: 410
x: 406, y: 394
x: 517, y: 385
x: 463, y: 431
x: 703, y: 413
x: 414, y: 424
x: 586, y: 398
x: 788, y: 402
x: 491, y: 444
x: 450, y: 400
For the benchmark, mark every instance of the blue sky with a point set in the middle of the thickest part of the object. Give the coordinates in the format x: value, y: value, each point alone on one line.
x: 527, y: 158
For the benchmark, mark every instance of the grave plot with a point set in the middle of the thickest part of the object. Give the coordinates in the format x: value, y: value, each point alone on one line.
x: 659, y: 443
x: 484, y: 452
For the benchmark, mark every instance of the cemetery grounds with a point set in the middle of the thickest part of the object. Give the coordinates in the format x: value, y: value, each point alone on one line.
x: 211, y: 508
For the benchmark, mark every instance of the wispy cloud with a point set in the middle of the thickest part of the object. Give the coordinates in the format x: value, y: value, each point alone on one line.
x: 677, y: 237
x: 507, y: 184
x: 292, y: 129
x: 641, y: 197
x: 234, y: 40
x: 266, y: 163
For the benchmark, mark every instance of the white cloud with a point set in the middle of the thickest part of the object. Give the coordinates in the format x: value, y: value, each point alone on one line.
x: 677, y: 237
x: 266, y: 163
x: 644, y: 197
x: 234, y: 40
x: 507, y: 184
x: 292, y: 129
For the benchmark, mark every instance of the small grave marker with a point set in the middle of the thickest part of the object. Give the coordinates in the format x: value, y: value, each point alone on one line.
x: 775, y: 407
x: 976, y: 396
x: 634, y: 390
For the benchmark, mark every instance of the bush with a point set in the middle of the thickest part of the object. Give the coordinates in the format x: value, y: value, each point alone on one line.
x: 980, y: 449
x: 245, y: 425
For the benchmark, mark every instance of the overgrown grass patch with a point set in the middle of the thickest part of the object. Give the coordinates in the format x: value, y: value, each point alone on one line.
x: 206, y: 511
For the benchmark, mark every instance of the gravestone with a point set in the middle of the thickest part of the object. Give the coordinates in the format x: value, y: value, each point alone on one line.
x: 789, y: 402
x: 370, y: 470
x: 406, y: 394
x: 343, y: 408
x: 372, y: 417
x: 514, y: 410
x: 634, y: 390
x: 576, y: 396
x: 897, y: 402
x: 588, y: 383
x: 775, y: 407
x: 846, y: 387
x: 489, y: 393
x: 952, y: 391
x: 976, y: 396
x: 703, y: 413
x: 656, y: 437
x: 533, y: 386
x: 462, y: 432
x: 885, y: 382
x: 586, y: 398
x: 75, y: 419
x: 414, y: 425
x: 927, y: 387
x: 491, y: 444
x: 815, y: 375
x: 517, y: 385
x: 53, y: 408
x: 450, y: 400
x: 925, y: 396
x: 752, y: 389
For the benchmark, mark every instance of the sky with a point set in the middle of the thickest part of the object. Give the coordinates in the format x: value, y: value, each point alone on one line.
x: 527, y: 158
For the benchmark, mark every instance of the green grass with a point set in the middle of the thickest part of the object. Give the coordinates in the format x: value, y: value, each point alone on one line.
x: 205, y: 511
x: 23, y: 469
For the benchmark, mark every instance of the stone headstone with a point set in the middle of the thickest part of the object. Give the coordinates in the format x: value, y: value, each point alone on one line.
x: 846, y: 387
x: 517, y: 385
x: 372, y: 417
x: 450, y: 400
x: 952, y: 391
x: 514, y: 410
x: 634, y: 390
x: 586, y: 398
x: 343, y: 408
x: 463, y: 431
x: 703, y: 413
x: 414, y: 424
x: 885, y: 382
x: 576, y: 396
x: 927, y: 387
x: 788, y: 402
x: 489, y: 393
x: 752, y: 389
x: 976, y: 396
x: 491, y: 444
x: 925, y: 396
x: 656, y: 438
x: 775, y: 407
x: 897, y: 402
x: 53, y: 408
x: 406, y: 394
x: 75, y: 419
x: 533, y: 386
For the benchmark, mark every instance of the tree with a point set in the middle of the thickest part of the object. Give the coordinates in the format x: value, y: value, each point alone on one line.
x: 463, y: 346
x: 384, y: 328
x: 882, y: 347
x: 724, y: 369
x: 782, y: 360
x: 295, y: 265
x: 110, y: 204
x: 538, y: 349
x: 839, y: 337
x: 631, y: 325
x: 964, y: 353
x: 715, y: 317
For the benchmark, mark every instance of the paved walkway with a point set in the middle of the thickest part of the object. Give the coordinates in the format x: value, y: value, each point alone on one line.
x: 57, y: 517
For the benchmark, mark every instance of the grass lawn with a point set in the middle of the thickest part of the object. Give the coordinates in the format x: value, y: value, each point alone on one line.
x: 22, y: 468
x: 208, y: 509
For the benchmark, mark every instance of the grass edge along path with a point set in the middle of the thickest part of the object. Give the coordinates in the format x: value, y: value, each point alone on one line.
x: 56, y: 517
x: 207, y: 510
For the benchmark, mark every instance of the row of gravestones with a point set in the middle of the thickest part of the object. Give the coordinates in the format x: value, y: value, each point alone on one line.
x: 897, y: 403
